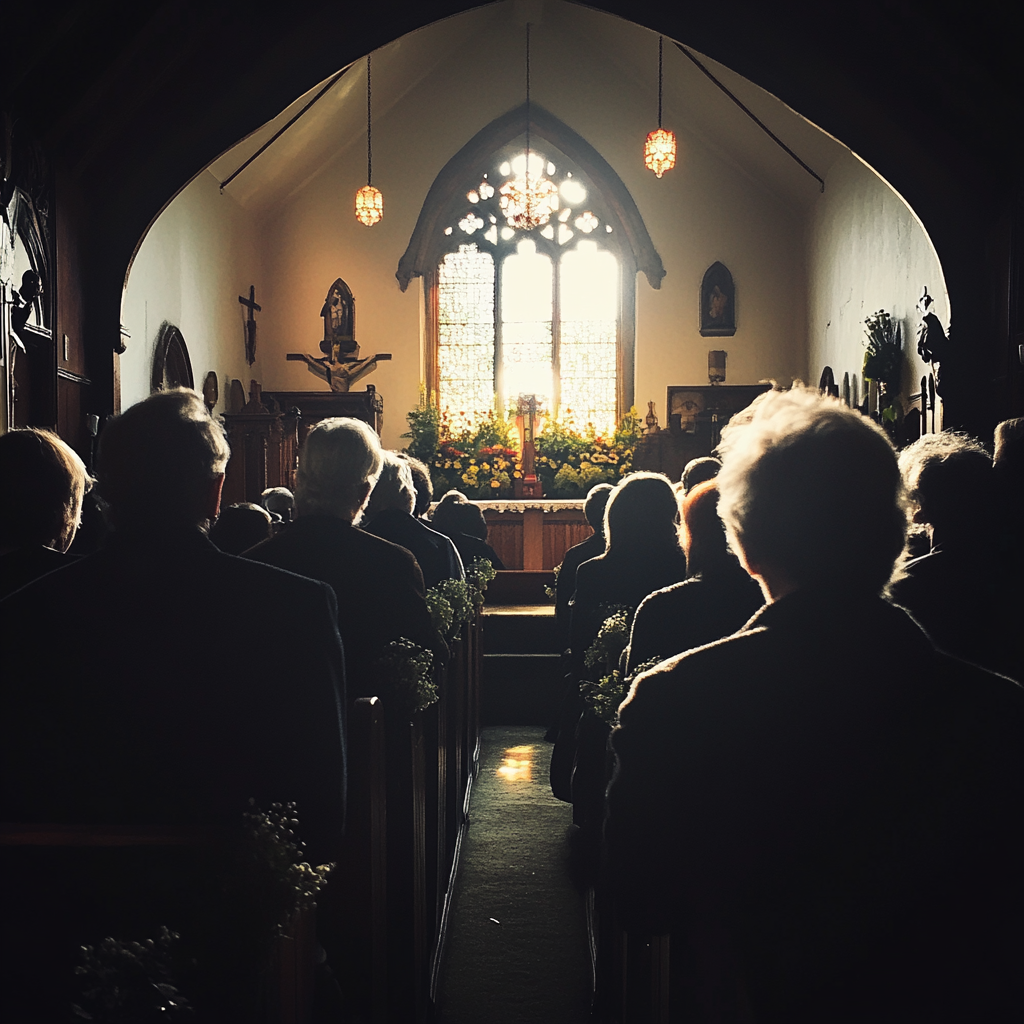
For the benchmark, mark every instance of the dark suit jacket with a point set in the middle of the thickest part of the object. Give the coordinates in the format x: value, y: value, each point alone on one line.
x: 690, y: 614
x: 378, y: 585
x: 825, y: 811
x: 565, y: 586
x: 436, y: 554
x: 169, y: 683
x: 969, y: 601
x: 22, y: 566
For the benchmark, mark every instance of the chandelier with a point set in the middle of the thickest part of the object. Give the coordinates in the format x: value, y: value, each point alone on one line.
x: 528, y: 203
x: 660, y: 147
x: 369, y: 201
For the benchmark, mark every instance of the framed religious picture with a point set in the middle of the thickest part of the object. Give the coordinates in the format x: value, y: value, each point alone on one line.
x: 717, y: 302
x: 699, y: 412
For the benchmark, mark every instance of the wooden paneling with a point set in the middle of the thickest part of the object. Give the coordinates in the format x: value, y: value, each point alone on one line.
x: 533, y: 538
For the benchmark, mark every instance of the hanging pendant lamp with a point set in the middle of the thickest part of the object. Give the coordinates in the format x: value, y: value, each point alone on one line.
x: 528, y: 204
x: 369, y: 201
x: 660, y: 148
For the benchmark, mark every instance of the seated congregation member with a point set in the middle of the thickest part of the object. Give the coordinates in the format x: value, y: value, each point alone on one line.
x: 157, y: 681
x: 1008, y: 467
x: 129, y: 699
x: 963, y: 591
x: 421, y: 481
x: 643, y: 554
x: 45, y: 482
x: 378, y: 585
x: 240, y: 527
x: 388, y: 514
x: 697, y: 471
x: 822, y: 809
x: 716, y: 599
x: 565, y: 586
x: 462, y: 520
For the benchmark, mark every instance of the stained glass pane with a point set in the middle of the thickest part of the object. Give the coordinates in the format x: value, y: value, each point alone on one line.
x: 589, y: 320
x: 526, y: 305
x: 465, y: 322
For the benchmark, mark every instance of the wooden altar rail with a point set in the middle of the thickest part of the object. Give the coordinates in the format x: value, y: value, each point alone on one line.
x: 534, y: 534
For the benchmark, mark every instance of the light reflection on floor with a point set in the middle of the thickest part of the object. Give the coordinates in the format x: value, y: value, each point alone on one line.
x: 517, y: 765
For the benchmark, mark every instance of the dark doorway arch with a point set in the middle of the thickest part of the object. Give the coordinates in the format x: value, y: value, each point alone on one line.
x: 172, y: 367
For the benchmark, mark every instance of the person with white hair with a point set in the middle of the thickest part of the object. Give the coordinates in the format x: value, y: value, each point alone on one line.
x: 822, y: 810
x: 963, y: 591
x: 378, y: 585
x: 389, y: 514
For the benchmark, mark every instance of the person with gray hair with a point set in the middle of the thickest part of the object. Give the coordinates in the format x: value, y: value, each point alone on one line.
x: 378, y: 585
x: 822, y: 809
x: 389, y: 514
x: 125, y: 699
x: 963, y: 591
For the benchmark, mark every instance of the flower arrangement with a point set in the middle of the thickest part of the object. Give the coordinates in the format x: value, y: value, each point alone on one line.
x: 453, y: 603
x: 482, y: 458
x: 406, y: 672
x: 883, y: 360
x: 603, y: 656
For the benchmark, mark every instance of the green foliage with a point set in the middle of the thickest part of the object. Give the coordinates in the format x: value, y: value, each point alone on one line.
x: 406, y: 672
x: 479, y: 573
x: 883, y: 358
x: 460, y: 598
x: 611, y: 641
x: 440, y: 611
x: 576, y: 483
x: 605, y: 696
x: 130, y: 982
x: 424, y: 430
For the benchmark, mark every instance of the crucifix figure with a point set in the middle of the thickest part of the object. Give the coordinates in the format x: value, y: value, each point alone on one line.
x: 528, y: 414
x: 250, y: 324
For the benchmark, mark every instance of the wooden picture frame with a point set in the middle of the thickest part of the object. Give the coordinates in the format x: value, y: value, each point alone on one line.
x: 717, y: 303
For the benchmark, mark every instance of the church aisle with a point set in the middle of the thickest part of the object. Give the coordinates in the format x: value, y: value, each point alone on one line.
x: 517, y: 941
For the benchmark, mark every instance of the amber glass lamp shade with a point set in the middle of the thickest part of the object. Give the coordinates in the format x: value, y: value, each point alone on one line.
x: 660, y: 151
x: 369, y: 205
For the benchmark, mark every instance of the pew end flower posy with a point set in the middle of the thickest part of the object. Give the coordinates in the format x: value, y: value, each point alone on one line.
x: 481, y: 457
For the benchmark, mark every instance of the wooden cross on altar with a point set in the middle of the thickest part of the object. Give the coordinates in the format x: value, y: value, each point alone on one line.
x: 250, y: 324
x: 526, y: 420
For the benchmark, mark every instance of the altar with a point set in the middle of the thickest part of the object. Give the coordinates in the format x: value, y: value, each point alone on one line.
x: 534, y: 534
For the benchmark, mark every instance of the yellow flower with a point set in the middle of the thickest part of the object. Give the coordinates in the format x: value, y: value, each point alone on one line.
x: 517, y: 475
x: 456, y: 465
x: 495, y: 483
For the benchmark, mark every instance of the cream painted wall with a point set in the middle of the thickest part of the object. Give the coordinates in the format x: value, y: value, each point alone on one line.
x: 808, y: 267
x: 707, y: 209
x: 866, y: 251
x: 200, y: 254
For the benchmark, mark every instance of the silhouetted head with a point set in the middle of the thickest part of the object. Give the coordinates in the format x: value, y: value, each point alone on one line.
x: 596, y: 503
x: 421, y: 481
x: 279, y: 502
x: 240, y: 527
x: 642, y: 514
x: 162, y: 462
x: 394, y: 488
x: 702, y: 531
x: 455, y: 513
x: 811, y: 494
x: 44, y: 483
x: 699, y: 470
x: 949, y: 479
x: 338, y: 466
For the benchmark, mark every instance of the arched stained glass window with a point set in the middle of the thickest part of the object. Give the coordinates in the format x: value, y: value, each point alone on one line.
x: 529, y: 310
x: 542, y: 305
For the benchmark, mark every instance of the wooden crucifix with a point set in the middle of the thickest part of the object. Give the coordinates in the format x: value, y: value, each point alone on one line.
x: 250, y: 324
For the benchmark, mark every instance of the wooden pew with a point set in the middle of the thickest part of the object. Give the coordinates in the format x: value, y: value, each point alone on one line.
x: 31, y: 852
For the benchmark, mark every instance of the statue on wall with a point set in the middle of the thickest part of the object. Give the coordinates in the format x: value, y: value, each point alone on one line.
x: 340, y: 364
x: 933, y: 345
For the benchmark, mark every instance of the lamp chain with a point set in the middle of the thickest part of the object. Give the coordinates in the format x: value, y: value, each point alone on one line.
x: 527, y: 114
x: 661, y: 65
x: 369, y: 139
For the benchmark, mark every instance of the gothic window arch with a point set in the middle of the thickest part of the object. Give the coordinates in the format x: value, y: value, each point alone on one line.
x: 547, y: 309
x: 172, y: 367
